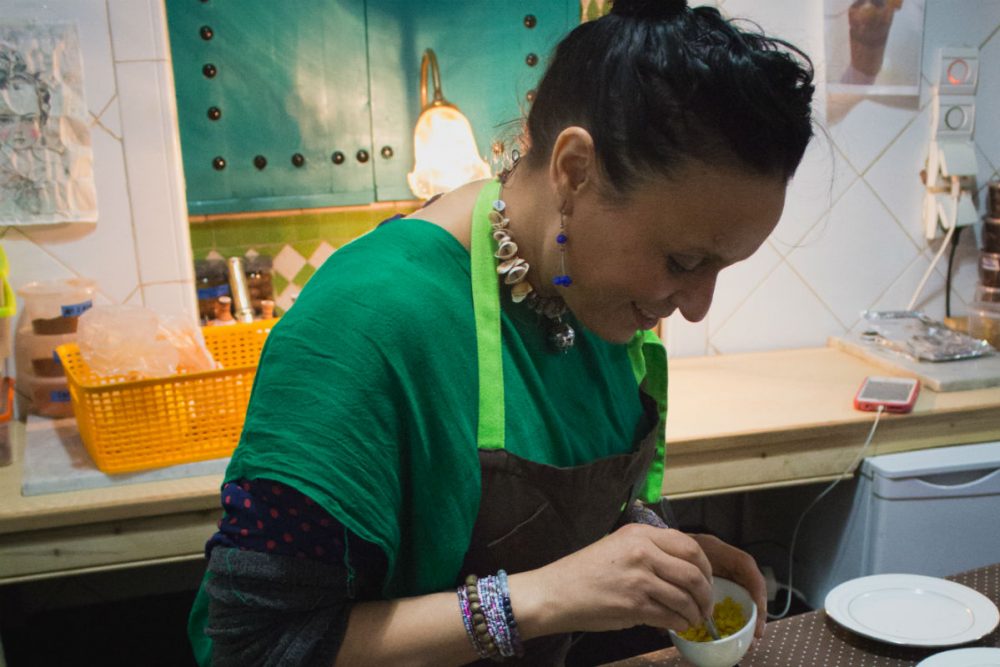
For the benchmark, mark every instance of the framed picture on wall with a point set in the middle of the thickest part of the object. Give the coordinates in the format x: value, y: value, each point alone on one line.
x: 873, y: 47
x: 46, y: 162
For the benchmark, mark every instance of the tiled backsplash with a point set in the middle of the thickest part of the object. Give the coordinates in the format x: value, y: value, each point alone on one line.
x: 298, y: 244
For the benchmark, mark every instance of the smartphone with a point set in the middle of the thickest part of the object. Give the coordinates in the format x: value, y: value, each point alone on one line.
x: 892, y: 393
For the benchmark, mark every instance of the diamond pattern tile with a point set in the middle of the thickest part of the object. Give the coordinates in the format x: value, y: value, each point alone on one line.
x: 286, y: 298
x: 304, y: 274
x: 279, y: 282
x: 322, y: 253
x: 306, y: 248
x: 288, y: 262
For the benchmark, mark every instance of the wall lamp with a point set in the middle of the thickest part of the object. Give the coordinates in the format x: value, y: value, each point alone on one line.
x: 444, y: 148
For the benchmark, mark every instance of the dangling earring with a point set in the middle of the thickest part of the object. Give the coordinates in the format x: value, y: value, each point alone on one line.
x: 562, y: 280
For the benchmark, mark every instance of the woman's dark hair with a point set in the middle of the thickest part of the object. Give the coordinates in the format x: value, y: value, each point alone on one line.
x: 658, y: 84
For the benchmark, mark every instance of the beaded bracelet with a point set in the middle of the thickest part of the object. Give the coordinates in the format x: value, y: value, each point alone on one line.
x: 515, y: 635
x: 488, y: 617
x: 474, y: 618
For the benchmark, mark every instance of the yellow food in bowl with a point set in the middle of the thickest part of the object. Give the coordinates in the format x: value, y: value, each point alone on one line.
x: 728, y: 616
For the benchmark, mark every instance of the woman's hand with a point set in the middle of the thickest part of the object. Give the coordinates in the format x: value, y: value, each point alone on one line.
x: 638, y: 575
x: 739, y: 566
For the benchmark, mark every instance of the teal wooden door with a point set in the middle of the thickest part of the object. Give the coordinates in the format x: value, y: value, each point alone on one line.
x: 273, y: 103
x: 484, y: 51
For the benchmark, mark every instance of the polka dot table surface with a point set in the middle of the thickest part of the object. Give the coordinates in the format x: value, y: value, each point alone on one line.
x: 814, y: 640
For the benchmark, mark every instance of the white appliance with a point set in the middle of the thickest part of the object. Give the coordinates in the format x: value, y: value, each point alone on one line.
x: 933, y: 512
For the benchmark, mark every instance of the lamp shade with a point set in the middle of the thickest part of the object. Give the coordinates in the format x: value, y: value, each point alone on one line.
x: 444, y: 147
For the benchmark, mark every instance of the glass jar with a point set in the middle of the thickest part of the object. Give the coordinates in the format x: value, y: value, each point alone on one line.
x: 259, y: 281
x: 212, y: 282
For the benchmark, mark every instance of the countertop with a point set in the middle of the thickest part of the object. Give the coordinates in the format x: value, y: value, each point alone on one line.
x: 736, y: 422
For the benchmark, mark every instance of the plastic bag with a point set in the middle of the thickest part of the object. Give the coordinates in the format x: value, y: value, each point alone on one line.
x: 186, y: 338
x: 131, y: 341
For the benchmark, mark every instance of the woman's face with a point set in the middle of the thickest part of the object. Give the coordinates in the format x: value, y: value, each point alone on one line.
x: 20, y: 117
x: 662, y: 250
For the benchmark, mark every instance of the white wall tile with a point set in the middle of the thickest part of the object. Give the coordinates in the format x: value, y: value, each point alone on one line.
x: 895, y: 177
x: 868, y: 126
x: 857, y: 252
x: 173, y: 298
x: 153, y: 168
x: 782, y: 313
x: 685, y: 339
x: 111, y: 118
x: 137, y: 29
x: 105, y: 251
x: 821, y: 179
x: 735, y: 283
x: 28, y: 263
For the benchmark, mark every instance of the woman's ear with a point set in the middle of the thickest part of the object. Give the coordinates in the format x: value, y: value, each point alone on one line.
x: 571, y: 166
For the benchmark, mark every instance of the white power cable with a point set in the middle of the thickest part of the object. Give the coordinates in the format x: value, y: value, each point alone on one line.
x: 956, y: 191
x: 798, y: 524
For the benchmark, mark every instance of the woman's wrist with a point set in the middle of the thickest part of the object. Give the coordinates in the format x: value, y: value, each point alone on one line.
x: 536, y: 609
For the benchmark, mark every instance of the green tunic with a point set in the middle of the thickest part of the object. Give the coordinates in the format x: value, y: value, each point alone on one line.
x: 366, y: 399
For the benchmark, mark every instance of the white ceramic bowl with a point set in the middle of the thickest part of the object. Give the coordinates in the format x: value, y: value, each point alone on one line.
x: 727, y: 651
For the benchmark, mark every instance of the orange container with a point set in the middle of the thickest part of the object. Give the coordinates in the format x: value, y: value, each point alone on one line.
x: 130, y: 425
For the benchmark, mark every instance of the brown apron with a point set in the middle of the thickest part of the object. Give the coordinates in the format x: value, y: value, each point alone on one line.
x: 531, y: 514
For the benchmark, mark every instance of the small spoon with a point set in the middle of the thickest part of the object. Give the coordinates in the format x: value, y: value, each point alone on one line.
x: 710, y: 624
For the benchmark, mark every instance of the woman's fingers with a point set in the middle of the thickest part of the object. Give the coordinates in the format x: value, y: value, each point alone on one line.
x: 677, y: 606
x: 739, y: 566
x: 682, y: 573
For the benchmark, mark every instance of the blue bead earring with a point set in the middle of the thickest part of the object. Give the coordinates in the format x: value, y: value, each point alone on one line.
x: 562, y: 280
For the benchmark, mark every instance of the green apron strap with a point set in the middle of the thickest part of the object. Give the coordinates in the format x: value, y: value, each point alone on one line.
x: 645, y: 350
x: 649, y: 364
x: 486, y: 306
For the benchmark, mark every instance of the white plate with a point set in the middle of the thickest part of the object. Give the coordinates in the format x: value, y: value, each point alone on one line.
x: 964, y: 657
x: 912, y: 610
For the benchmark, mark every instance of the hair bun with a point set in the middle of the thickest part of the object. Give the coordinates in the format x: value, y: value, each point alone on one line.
x: 658, y: 10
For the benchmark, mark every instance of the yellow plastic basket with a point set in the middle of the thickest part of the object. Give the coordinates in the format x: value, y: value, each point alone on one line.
x: 130, y: 425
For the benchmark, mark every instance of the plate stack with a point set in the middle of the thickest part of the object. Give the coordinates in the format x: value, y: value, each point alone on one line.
x: 984, y: 313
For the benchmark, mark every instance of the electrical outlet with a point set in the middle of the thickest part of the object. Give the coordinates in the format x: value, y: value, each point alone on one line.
x: 955, y: 116
x: 957, y: 70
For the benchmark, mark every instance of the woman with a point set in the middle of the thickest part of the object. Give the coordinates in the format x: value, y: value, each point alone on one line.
x: 418, y: 419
